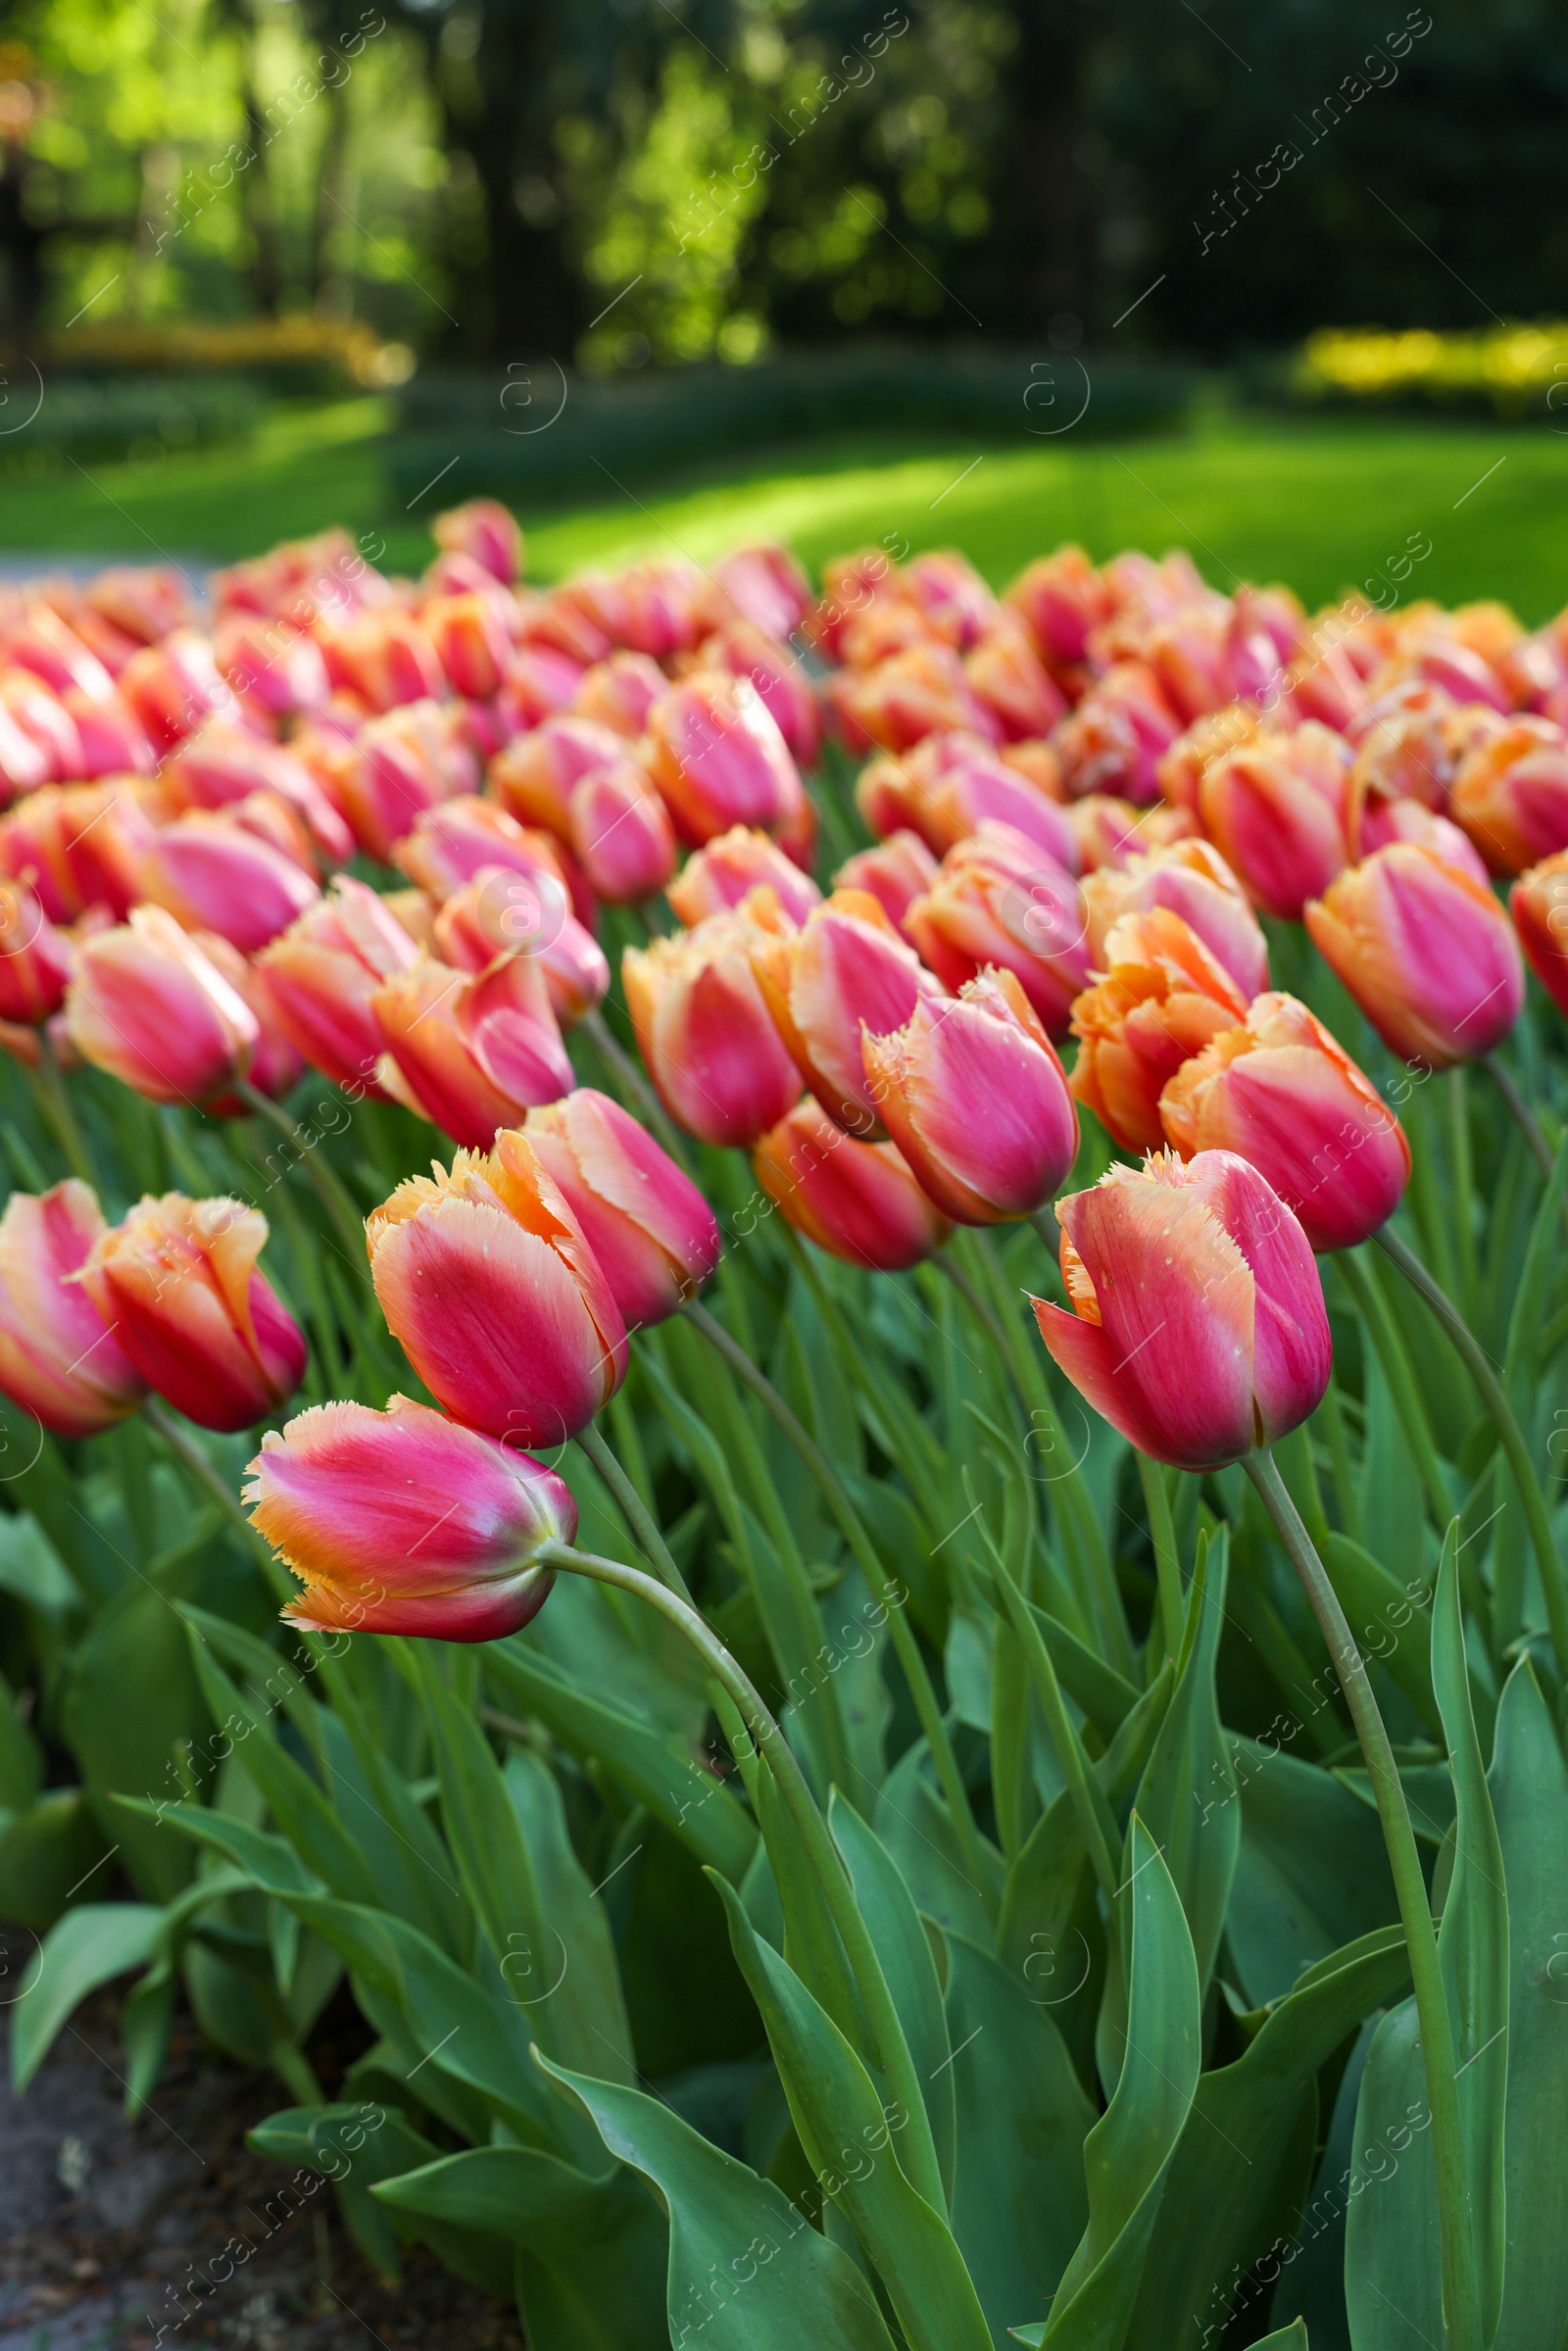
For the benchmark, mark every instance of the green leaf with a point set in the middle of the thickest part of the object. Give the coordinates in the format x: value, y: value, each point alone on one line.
x: 47, y: 1852
x: 1128, y: 2153
x: 741, y: 2259
x: 136, y: 1642
x: 22, y: 1759
x: 88, y: 1946
x: 1018, y: 2199
x: 1312, y: 1873
x: 31, y: 1570
x: 1473, y: 1942
x: 841, y: 2120
x: 1392, y: 2269
x: 1285, y: 2338
x: 1185, y: 1798
x: 1389, y: 1619
x: 354, y: 2145
x: 588, y: 2009
x: 270, y: 1860
x: 916, y: 1828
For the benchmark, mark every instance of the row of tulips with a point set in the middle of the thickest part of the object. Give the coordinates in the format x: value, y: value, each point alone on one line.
x: 1082, y: 798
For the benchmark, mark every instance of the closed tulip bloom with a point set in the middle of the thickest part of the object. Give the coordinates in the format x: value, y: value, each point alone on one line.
x: 968, y: 785
x: 460, y: 838
x: 954, y: 599
x: 323, y: 973
x: 1511, y: 795
x: 471, y: 641
x: 857, y: 1201
x: 621, y: 833
x: 1375, y: 821
x: 1283, y: 1093
x: 474, y: 1051
x: 715, y: 751
x: 730, y: 867
x: 173, y: 687
x: 34, y: 958
x: 506, y: 911
x: 707, y: 1036
x: 212, y: 875
x: 620, y: 693
x: 973, y: 1094
x: 401, y: 764
x: 898, y: 872
x: 385, y: 657
x: 653, y: 1233
x: 276, y: 1064
x: 405, y: 1520
x: 222, y: 766
x: 785, y: 687
x: 1063, y: 597
x: 767, y: 587
x: 1182, y: 768
x: 1197, y: 1327
x: 494, y: 1296
x: 532, y: 778
x: 997, y: 900
x: 1013, y: 682
x: 59, y: 1358
x: 1276, y: 808
x: 1117, y: 736
x: 1539, y: 904
x: 78, y: 846
x: 149, y: 1007
x: 1193, y: 880
x: 847, y: 969
x: 278, y: 665
x: 486, y: 533
x: 1425, y: 950
x: 1163, y: 997
x: 179, y: 1286
x: 920, y: 691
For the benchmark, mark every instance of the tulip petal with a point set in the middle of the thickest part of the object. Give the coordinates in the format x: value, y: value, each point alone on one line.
x: 1291, y: 1351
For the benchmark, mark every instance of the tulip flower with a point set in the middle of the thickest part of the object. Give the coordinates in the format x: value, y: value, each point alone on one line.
x: 731, y: 867
x: 34, y: 958
x: 954, y: 599
x: 972, y: 1093
x: 705, y: 1032
x: 1276, y: 809
x: 620, y: 693
x: 621, y: 833
x: 1193, y: 880
x: 58, y: 1359
x: 173, y: 687
x: 485, y: 532
x: 1407, y: 747
x: 1425, y: 950
x: 504, y: 911
x: 474, y: 1051
x: 1062, y: 598
x: 494, y: 1296
x: 1116, y: 738
x: 650, y: 1228
x: 968, y: 785
x: 146, y: 600
x: 386, y: 657
x: 541, y: 683
x: 857, y: 1200
x: 46, y: 644
x: 471, y: 646
x: 178, y: 1284
x: 920, y: 691
x: 742, y: 651
x: 1181, y: 770
x: 323, y: 973
x: 1198, y: 1326
x: 716, y: 752
x: 460, y: 838
x: 1510, y: 794
x: 1539, y: 904
x: 403, y: 1521
x: 78, y: 846
x: 844, y: 970
x: 149, y: 1007
x: 212, y: 874
x: 767, y: 587
x: 1163, y: 997
x: 898, y: 872
x: 223, y: 764
x: 402, y: 764
x: 1374, y: 821
x: 46, y: 722
x: 997, y: 900
x: 1283, y: 1093
x: 273, y: 664
x: 1013, y: 682
x: 532, y: 778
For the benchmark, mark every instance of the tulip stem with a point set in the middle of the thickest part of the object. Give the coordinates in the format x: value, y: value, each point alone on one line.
x: 1526, y: 1121
x: 210, y: 1478
x: 1510, y: 1435
x: 853, y: 1528
x: 52, y: 1098
x: 593, y: 1442
x: 1461, y: 2299
x: 1167, y: 1564
x: 636, y: 1085
x: 892, y: 2047
x: 329, y: 1188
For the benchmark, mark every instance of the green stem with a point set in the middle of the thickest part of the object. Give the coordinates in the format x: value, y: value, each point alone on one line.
x: 344, y: 1216
x: 1526, y: 1121
x: 1461, y: 2297
x: 207, y: 1475
x: 1167, y: 1566
x: 639, y: 1518
x: 1464, y: 1185
x: 853, y: 1528
x: 633, y: 1083
x: 883, y: 2017
x: 1511, y: 1436
x: 52, y: 1098
x: 1373, y: 1308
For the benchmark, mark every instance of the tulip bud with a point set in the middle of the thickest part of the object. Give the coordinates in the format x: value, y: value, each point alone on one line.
x: 650, y: 1228
x: 460, y: 838
x: 621, y: 833
x: 857, y: 1201
x: 402, y: 764
x: 276, y: 665
x: 767, y: 587
x: 1013, y: 681
x: 1198, y: 1326
x: 470, y: 643
x: 78, y: 846
x: 847, y: 969
x: 403, y: 1521
x: 147, y: 601
x: 149, y: 1007
x: 953, y: 595
x: 34, y: 958
x: 223, y: 764
x: 1276, y: 808
x: 1061, y: 596
x: 474, y: 1050
x: 323, y: 973
x: 504, y: 911
x: 997, y: 900
x: 1283, y: 1093
x: 1116, y: 738
x: 212, y: 874
x: 58, y: 1359
x: 1193, y: 880
x: 45, y: 721
x: 1539, y: 904
x: 173, y: 687
x: 730, y: 867
x: 494, y: 1296
x: 716, y: 1060
x: 1425, y: 950
x: 1510, y: 794
x: 1164, y: 996
x: 485, y: 532
x: 620, y: 693
x: 177, y: 1284
x: 966, y: 786
x: 918, y: 692
x: 533, y: 777
x: 716, y: 754
x: 742, y: 651
x: 974, y: 1097
x: 1375, y: 821
x: 898, y: 872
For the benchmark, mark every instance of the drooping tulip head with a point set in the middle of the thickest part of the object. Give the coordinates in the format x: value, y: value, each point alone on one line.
x: 405, y: 1520
x: 653, y: 1233
x: 491, y: 1288
x: 721, y: 874
x: 705, y: 1032
x: 178, y: 1284
x: 1283, y: 1093
x: 972, y: 1093
x: 149, y: 1007
x: 844, y: 970
x: 1197, y: 1327
x: 857, y: 1201
x: 1163, y: 997
x: 1426, y: 951
x: 59, y: 1358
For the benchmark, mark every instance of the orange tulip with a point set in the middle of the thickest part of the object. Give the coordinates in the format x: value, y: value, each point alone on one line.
x: 1426, y: 951
x: 1164, y: 996
x: 845, y: 971
x: 1510, y: 794
x: 59, y: 1358
x: 494, y: 1294
x: 707, y: 1036
x: 857, y: 1200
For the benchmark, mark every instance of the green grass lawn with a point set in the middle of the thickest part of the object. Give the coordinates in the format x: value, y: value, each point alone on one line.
x: 1318, y: 503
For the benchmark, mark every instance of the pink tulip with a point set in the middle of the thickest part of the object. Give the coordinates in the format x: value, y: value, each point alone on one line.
x: 1013, y: 682
x: 705, y: 1032
x: 532, y: 778
x: 730, y: 867
x: 506, y: 911
x: 403, y: 763
x: 1276, y: 809
x: 1115, y: 739
x: 845, y: 971
x: 620, y: 693
x: 1510, y: 794
x: 323, y: 973
x: 222, y: 764
x: 212, y: 875
x: 485, y: 532
x: 767, y: 588
x: 58, y: 1359
x: 857, y: 1201
x: 621, y: 833
x: 742, y: 651
x: 898, y: 872
x: 1062, y: 598
x: 36, y: 958
x: 650, y: 1228
x: 149, y: 1007
x: 998, y: 899
x: 1193, y: 880
x: 716, y: 754
x: 472, y: 1051
x: 1426, y: 951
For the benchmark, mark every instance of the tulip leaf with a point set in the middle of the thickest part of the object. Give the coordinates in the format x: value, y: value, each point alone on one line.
x: 1186, y: 1795
x: 841, y: 2120
x: 85, y: 1948
x: 355, y: 2146
x: 1312, y: 1872
x: 741, y: 2259
x: 1128, y: 2154
x: 916, y: 1828
x: 270, y: 1861
x: 1018, y: 2199
x: 1473, y: 1942
x: 135, y: 1641
x: 1390, y: 1620
x: 591, y: 2005
x: 1393, y: 2267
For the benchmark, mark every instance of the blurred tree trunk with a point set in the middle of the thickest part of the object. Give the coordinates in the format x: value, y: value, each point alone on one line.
x: 21, y: 244
x: 1052, y: 197
x: 329, y: 289
x: 261, y: 212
